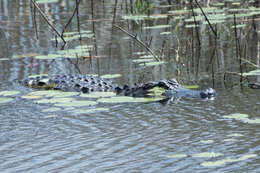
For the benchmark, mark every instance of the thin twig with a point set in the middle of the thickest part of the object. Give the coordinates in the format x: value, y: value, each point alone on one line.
x: 78, y: 22
x: 46, y: 19
x: 69, y: 21
x: 138, y: 40
x: 206, y: 18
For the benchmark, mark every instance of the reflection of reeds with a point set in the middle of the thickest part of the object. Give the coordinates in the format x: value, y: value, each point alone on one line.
x: 238, y: 51
x: 195, y: 22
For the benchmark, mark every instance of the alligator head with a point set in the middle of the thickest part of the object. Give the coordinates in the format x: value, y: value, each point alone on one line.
x: 167, y: 88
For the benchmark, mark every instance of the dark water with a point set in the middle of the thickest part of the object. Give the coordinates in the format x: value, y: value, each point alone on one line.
x: 130, y: 137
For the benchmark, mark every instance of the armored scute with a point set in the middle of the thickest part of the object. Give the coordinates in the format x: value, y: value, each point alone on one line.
x: 86, y: 83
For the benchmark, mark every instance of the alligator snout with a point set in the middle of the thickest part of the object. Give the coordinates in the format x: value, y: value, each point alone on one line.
x: 208, y: 93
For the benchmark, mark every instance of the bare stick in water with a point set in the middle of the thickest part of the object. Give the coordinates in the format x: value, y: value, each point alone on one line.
x: 211, y: 27
x: 46, y: 19
x: 139, y: 41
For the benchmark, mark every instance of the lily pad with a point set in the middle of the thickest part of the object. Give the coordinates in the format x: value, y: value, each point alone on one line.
x: 179, y: 11
x: 207, y: 154
x: 86, y: 111
x: 126, y: 99
x: 31, y: 97
x: 237, y: 116
x: 178, y: 156
x: 76, y: 103
x: 235, y: 135
x: 4, y: 59
x: 155, y: 63
x: 146, y: 56
x: 157, y: 27
x: 165, y: 33
x: 243, y: 117
x: 49, y: 56
x: 239, y: 26
x: 110, y: 76
x: 144, y: 17
x: 252, y: 73
x: 66, y: 94
x: 56, y: 100
x: 5, y: 100
x: 206, y: 141
x: 37, y: 75
x: 9, y: 93
x: 227, y: 160
x: 24, y: 55
x: 98, y: 94
x: 46, y: 1
x: 51, y: 116
x: 143, y: 60
x: 135, y: 17
x: 74, y: 53
x: 53, y: 93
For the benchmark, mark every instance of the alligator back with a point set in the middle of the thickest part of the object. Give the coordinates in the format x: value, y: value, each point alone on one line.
x: 81, y: 83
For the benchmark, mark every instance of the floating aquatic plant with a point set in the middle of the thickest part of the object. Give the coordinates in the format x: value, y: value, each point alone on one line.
x: 243, y: 117
x: 126, y: 99
x: 227, y: 160
x: 98, y: 94
x: 46, y: 1
x: 110, y: 76
x: 5, y: 100
x: 9, y: 93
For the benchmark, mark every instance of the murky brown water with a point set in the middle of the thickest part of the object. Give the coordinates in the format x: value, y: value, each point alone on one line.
x: 130, y: 137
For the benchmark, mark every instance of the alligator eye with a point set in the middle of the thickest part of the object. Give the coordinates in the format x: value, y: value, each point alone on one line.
x: 77, y: 85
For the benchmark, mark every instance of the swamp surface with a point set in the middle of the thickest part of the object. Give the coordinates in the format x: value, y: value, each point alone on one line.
x: 188, y: 134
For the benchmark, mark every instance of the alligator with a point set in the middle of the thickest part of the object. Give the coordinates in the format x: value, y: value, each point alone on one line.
x: 87, y: 83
